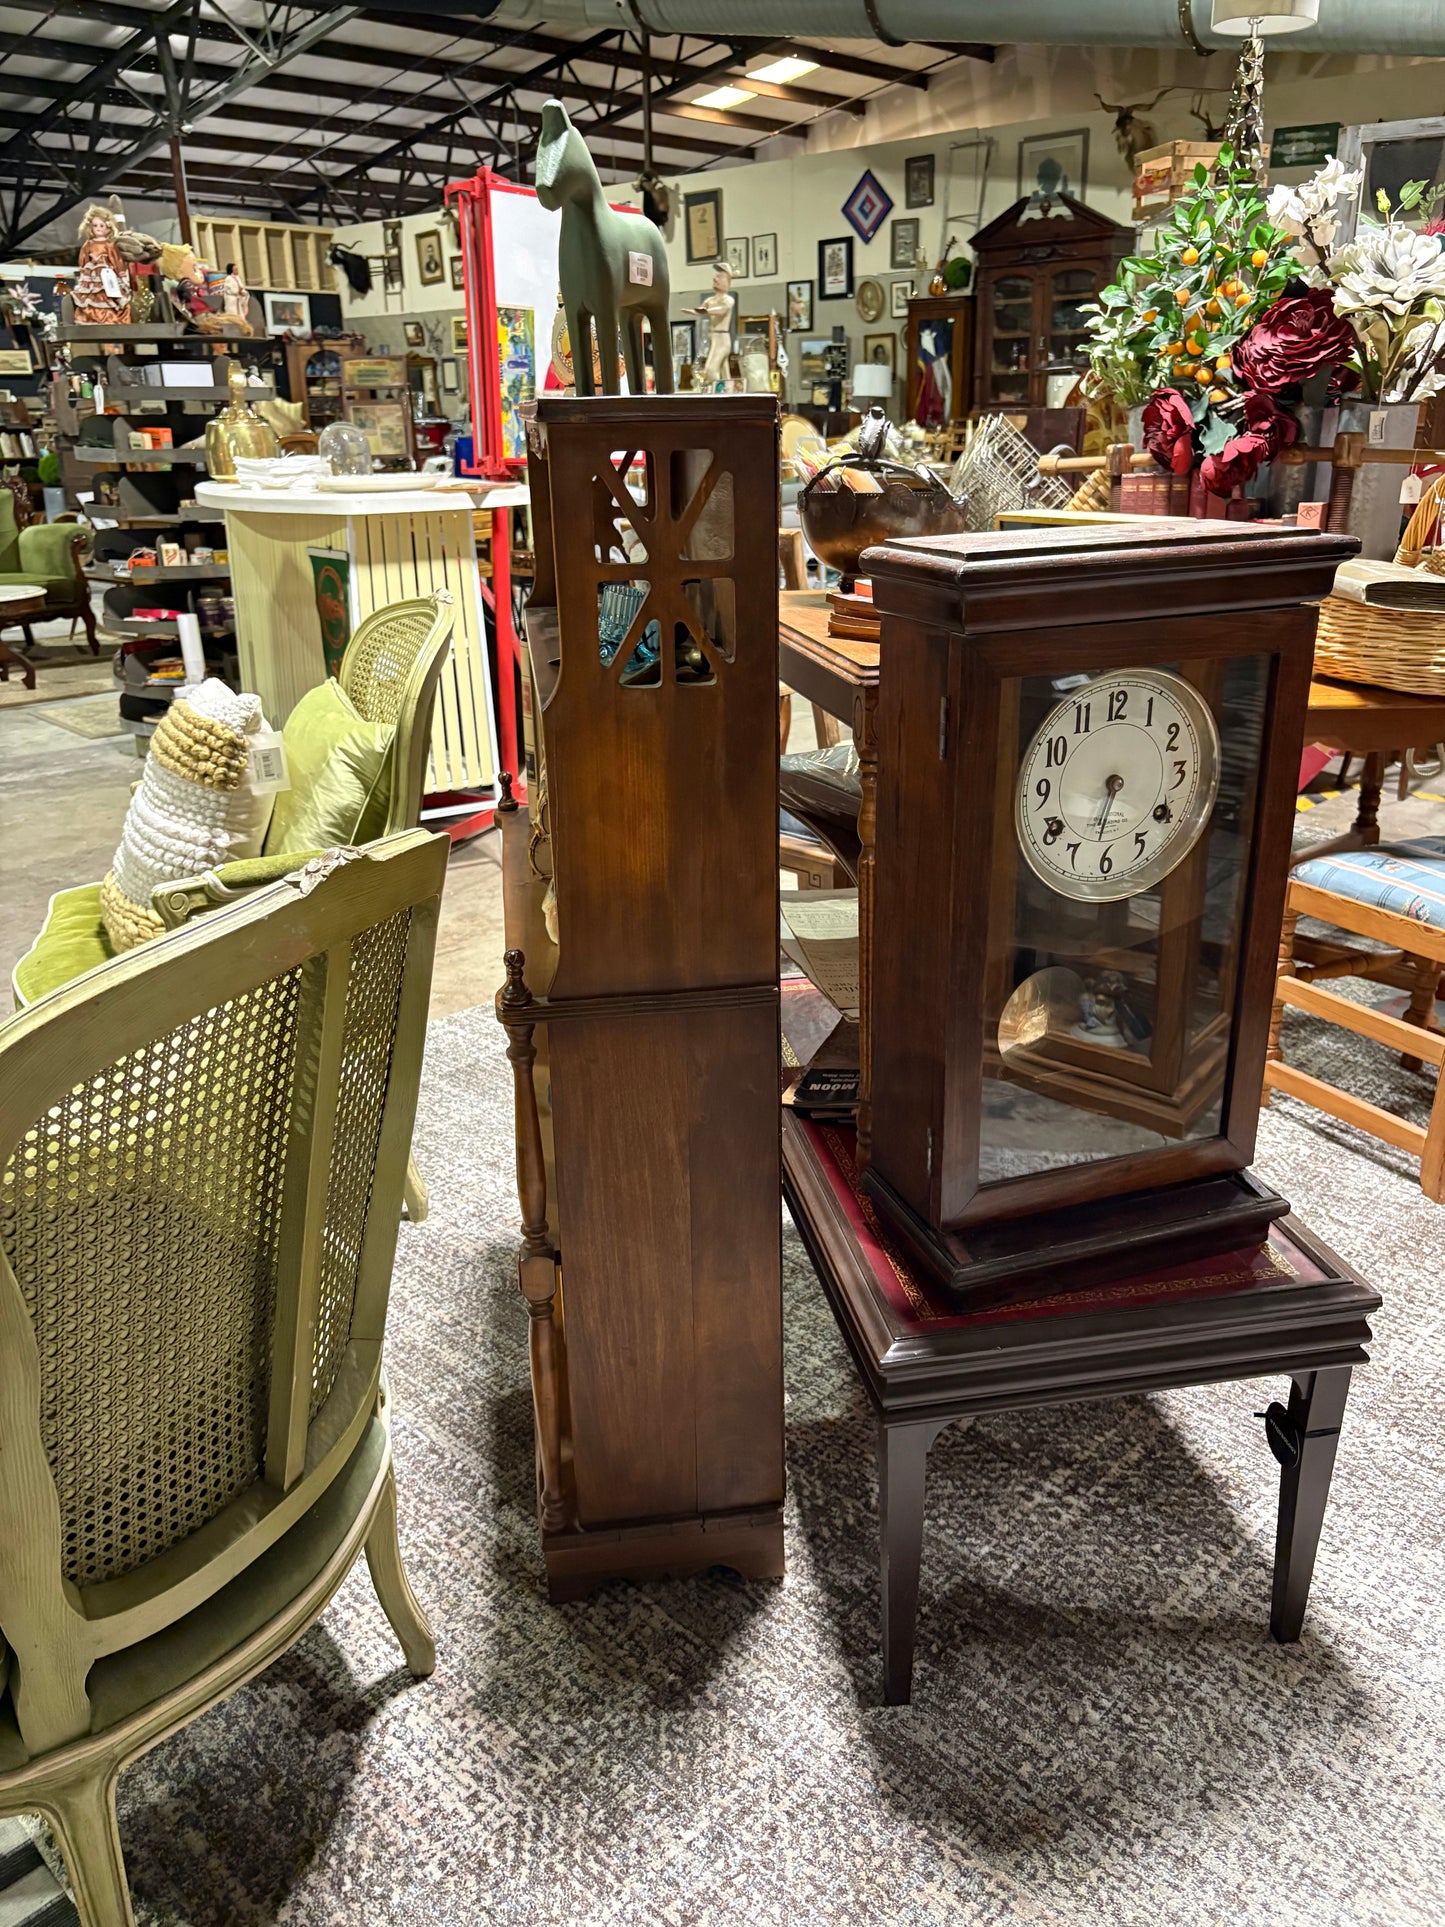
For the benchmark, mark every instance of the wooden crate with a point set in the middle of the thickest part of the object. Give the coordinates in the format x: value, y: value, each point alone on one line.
x: 1161, y: 174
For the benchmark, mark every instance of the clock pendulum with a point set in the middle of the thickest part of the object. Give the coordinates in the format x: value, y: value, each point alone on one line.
x: 1084, y: 810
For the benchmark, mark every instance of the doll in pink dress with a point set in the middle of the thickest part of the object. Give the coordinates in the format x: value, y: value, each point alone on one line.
x: 102, y: 287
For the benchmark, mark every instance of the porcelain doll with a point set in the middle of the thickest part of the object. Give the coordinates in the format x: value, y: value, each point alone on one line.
x: 235, y: 300
x: 718, y: 310
x: 102, y: 287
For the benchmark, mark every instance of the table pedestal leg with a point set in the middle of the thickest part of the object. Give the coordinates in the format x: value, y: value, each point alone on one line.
x: 1317, y: 1407
x: 1366, y: 825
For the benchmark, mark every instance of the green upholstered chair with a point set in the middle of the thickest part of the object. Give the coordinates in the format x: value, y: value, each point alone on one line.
x: 202, y: 1148
x: 390, y: 672
x: 47, y: 554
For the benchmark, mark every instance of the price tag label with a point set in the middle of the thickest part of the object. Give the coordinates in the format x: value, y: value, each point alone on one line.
x: 1375, y: 434
x: 268, y: 762
x: 1411, y: 489
x: 639, y: 269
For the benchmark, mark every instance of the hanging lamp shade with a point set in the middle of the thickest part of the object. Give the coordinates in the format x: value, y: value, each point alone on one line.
x: 1240, y: 18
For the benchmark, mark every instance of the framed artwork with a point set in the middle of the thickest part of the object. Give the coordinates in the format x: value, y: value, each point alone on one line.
x: 899, y: 295
x: 683, y: 348
x: 702, y: 224
x: 867, y: 207
x: 737, y: 255
x: 451, y: 380
x: 903, y: 242
x: 835, y: 268
x: 288, y: 314
x: 765, y: 255
x: 16, y: 361
x: 374, y: 371
x: 456, y: 268
x: 1054, y: 164
x: 800, y: 306
x: 882, y: 351
x: 415, y: 334
x: 918, y: 181
x: 384, y: 425
x: 430, y: 263
x: 812, y: 363
x: 459, y: 334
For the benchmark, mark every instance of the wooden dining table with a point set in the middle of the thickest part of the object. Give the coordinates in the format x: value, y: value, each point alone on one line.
x: 840, y: 675
x: 20, y: 603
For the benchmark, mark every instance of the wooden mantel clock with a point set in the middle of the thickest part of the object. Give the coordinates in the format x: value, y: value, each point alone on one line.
x: 1088, y: 751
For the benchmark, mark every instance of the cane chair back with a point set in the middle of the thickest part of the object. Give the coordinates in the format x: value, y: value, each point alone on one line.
x: 202, y: 1148
x: 390, y: 670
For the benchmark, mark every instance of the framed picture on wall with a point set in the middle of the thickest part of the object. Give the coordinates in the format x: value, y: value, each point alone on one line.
x: 835, y: 268
x: 737, y: 255
x: 456, y: 268
x: 765, y: 255
x: 702, y: 223
x: 900, y: 293
x: 451, y: 379
x: 459, y: 334
x: 800, y: 306
x: 882, y: 351
x: 903, y: 242
x: 288, y: 314
x: 430, y: 263
x: 918, y: 181
x: 683, y: 348
x: 415, y: 335
x: 1054, y: 164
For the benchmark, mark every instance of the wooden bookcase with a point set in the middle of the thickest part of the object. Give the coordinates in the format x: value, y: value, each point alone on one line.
x: 645, y: 1039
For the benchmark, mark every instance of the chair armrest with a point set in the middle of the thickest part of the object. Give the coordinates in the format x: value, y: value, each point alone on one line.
x: 51, y: 549
x: 175, y: 903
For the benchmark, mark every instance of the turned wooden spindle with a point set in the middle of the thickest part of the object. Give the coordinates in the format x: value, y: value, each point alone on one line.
x: 506, y: 802
x: 536, y: 1266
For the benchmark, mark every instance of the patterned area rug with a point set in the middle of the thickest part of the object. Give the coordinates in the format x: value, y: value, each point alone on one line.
x: 1102, y: 1732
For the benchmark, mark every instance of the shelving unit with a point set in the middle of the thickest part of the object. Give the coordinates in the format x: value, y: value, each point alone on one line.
x: 151, y: 496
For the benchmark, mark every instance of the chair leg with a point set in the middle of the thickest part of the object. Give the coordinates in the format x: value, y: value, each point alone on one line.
x: 414, y: 1194
x: 398, y: 1601
x: 1422, y: 1002
x: 902, y: 1472
x: 1317, y: 1410
x: 1273, y: 1054
x: 83, y: 1817
x: 87, y: 616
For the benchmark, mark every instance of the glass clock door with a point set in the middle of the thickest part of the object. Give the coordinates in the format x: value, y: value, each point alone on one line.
x: 1116, y: 897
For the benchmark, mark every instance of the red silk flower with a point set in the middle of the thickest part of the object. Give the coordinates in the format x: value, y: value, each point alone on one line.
x: 1294, y: 338
x: 1169, y: 430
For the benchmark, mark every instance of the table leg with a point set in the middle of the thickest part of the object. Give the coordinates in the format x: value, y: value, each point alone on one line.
x: 1317, y: 1409
x: 866, y: 743
x: 8, y: 656
x: 1366, y: 825
x: 902, y: 1469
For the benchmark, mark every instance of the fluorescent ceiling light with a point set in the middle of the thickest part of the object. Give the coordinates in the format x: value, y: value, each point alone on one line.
x: 724, y: 97
x: 782, y: 71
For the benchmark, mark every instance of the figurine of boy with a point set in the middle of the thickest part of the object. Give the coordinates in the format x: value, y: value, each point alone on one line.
x: 718, y: 311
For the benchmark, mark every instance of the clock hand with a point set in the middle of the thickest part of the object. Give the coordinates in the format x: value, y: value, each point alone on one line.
x: 1112, y: 787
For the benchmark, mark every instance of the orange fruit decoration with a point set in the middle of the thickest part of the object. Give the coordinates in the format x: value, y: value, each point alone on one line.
x: 1224, y: 364
x: 1219, y: 394
x: 1183, y: 296
x: 1189, y: 257
x: 1243, y: 298
x: 1212, y: 306
x: 1259, y: 258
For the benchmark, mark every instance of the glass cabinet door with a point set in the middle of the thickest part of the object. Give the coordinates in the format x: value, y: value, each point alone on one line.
x: 1068, y: 336
x: 1010, y: 325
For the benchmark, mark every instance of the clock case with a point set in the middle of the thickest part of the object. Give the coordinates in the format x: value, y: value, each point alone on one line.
x: 963, y: 618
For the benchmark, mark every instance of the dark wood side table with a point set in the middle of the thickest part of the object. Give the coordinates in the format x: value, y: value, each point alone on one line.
x: 1289, y: 1307
x: 19, y: 604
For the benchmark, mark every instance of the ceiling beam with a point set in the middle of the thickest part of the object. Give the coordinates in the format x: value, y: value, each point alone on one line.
x: 852, y: 64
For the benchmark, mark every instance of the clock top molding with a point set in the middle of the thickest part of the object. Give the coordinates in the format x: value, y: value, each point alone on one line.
x: 1023, y: 578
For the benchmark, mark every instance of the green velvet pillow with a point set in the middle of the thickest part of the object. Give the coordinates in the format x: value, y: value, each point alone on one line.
x: 340, y: 770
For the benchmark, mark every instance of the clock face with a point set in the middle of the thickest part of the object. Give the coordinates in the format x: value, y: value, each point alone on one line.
x: 1117, y: 785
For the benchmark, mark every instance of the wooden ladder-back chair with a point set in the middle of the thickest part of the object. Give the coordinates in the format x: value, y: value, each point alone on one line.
x: 202, y: 1148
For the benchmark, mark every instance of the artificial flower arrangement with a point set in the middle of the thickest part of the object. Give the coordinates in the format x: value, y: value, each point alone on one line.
x: 1245, y: 301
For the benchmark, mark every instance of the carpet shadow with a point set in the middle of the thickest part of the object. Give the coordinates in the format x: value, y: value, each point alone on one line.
x: 1041, y: 1560
x: 225, y: 1818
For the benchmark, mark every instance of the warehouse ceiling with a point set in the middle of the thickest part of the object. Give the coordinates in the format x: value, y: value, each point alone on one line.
x: 344, y: 113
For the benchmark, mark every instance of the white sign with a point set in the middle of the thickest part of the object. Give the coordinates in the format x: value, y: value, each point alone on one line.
x: 639, y: 269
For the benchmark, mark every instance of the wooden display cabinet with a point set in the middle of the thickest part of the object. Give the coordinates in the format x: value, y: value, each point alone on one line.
x: 1034, y: 271
x: 644, y: 1040
x: 944, y: 323
x: 313, y: 376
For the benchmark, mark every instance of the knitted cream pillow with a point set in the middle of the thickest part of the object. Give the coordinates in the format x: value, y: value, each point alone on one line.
x: 195, y: 807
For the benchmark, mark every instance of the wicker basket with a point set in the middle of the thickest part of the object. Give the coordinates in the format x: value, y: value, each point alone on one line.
x: 1392, y: 648
x: 1420, y: 544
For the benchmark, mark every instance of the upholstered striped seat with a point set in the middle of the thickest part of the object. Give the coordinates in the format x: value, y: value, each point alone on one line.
x: 1405, y: 879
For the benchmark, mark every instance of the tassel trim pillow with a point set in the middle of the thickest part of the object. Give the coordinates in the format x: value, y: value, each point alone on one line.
x: 195, y: 807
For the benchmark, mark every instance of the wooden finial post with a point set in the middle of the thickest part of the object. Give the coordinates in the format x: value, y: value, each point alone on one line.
x: 506, y: 802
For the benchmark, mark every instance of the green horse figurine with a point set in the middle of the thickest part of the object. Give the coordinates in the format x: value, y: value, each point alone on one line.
x: 612, y: 266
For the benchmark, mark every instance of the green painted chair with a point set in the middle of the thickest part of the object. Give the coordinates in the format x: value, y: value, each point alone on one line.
x: 47, y: 554
x: 202, y: 1152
